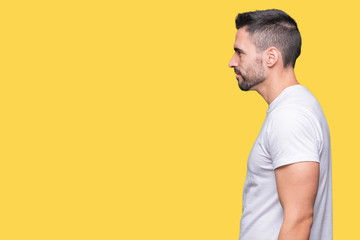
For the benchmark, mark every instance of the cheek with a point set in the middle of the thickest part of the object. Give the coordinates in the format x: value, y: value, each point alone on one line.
x: 244, y: 68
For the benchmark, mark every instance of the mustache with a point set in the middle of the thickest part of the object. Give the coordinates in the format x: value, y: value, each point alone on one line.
x: 237, y: 71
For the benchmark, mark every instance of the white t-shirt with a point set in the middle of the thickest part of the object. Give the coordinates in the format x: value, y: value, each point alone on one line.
x: 295, y: 130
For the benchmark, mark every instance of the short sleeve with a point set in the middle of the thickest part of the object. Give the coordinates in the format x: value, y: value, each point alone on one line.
x: 292, y: 136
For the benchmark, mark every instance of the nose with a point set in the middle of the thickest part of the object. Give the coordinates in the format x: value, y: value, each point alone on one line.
x: 233, y: 62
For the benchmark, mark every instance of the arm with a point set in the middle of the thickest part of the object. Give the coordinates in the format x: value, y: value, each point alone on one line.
x: 297, y: 186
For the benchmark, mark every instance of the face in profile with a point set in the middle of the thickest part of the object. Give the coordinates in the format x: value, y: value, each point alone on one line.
x: 247, y: 62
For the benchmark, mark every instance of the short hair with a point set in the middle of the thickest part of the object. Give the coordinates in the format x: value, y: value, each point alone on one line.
x: 272, y: 28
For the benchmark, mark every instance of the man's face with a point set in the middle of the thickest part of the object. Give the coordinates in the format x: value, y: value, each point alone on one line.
x: 247, y: 63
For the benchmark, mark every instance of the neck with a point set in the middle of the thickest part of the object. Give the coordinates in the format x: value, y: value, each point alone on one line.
x: 276, y: 83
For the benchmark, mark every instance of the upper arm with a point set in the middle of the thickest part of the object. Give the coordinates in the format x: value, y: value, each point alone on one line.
x: 294, y: 141
x: 297, y: 186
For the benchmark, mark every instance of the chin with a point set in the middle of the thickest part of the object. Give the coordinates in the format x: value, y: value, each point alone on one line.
x: 244, y: 87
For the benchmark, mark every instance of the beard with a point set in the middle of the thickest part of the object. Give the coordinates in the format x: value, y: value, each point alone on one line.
x: 255, y: 75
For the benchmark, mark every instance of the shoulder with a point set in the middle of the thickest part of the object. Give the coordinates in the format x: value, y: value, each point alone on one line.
x: 294, y: 120
x: 292, y: 136
x: 291, y: 116
x: 297, y: 107
x: 290, y: 123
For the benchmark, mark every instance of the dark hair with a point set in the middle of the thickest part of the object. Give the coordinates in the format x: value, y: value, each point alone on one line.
x: 272, y: 28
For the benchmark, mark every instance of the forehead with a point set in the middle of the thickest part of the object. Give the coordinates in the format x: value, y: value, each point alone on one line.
x: 243, y: 40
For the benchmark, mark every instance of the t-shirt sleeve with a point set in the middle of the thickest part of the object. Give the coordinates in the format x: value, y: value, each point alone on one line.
x: 292, y: 136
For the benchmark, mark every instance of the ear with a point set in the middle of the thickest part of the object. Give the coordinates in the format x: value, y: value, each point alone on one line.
x: 272, y: 56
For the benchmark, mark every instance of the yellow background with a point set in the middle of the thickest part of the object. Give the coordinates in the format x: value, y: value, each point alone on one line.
x: 122, y: 120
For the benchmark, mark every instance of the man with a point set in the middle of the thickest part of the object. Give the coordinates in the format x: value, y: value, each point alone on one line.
x: 288, y: 187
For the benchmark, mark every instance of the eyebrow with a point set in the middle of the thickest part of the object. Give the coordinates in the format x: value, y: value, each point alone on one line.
x: 238, y: 50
